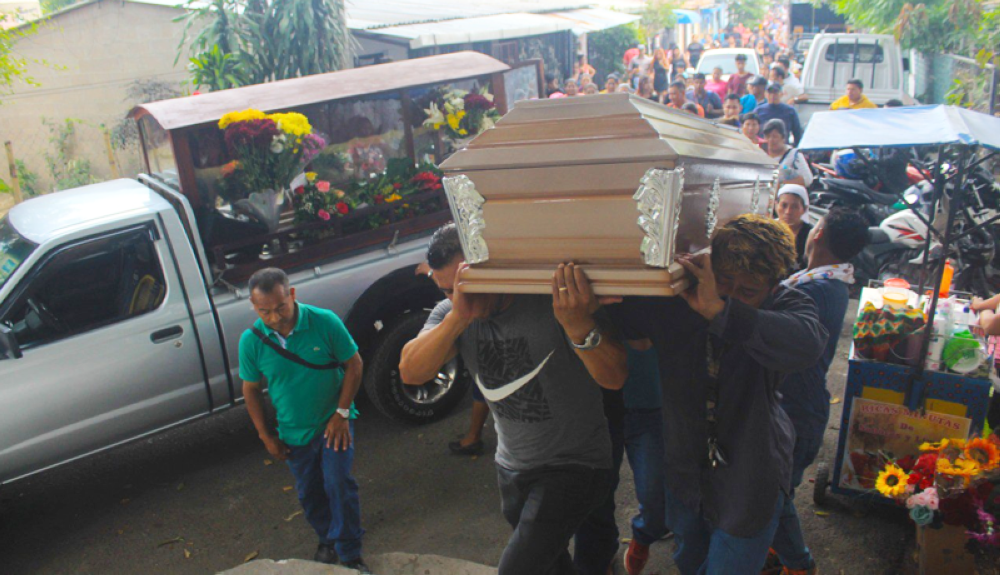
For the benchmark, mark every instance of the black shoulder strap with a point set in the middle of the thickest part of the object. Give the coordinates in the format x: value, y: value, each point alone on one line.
x: 291, y: 356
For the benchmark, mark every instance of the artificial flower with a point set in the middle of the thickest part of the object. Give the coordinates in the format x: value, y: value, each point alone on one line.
x: 277, y: 147
x: 242, y: 116
x: 323, y: 215
x: 379, y: 198
x: 393, y: 198
x: 397, y: 185
x: 985, y: 453
x: 926, y: 498
x: 891, y: 481
x: 342, y: 207
x: 300, y: 190
x: 323, y: 186
x: 922, y: 515
x: 942, y: 445
x: 311, y: 176
x: 964, y: 468
x: 990, y: 529
x: 339, y: 193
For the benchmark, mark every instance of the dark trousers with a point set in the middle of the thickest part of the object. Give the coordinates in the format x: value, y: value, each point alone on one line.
x: 545, y: 507
x: 329, y: 494
x: 596, y: 542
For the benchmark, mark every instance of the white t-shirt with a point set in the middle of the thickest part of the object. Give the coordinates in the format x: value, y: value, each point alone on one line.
x: 642, y: 63
x: 799, y: 165
x: 792, y: 87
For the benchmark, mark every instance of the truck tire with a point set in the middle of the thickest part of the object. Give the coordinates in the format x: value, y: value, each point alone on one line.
x: 409, y: 403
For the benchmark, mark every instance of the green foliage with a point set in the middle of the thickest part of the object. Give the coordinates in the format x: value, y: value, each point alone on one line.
x: 27, y: 179
x: 50, y: 6
x: 216, y: 70
x: 125, y: 133
x: 250, y: 42
x: 932, y: 26
x: 749, y: 12
x: 606, y: 48
x: 66, y: 171
x: 13, y: 66
x: 657, y: 15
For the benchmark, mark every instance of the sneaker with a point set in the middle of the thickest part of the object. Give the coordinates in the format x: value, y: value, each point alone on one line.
x: 325, y: 553
x: 636, y: 557
x: 358, y: 565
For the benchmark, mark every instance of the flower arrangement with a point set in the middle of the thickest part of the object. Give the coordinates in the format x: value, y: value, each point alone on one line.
x: 316, y: 200
x: 461, y: 114
x: 948, y: 483
x: 268, y: 151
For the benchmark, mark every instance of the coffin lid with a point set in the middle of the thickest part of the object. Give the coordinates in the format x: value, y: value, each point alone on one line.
x: 598, y: 129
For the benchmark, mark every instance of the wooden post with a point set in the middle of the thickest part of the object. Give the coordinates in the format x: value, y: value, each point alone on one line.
x: 115, y: 174
x: 15, y: 182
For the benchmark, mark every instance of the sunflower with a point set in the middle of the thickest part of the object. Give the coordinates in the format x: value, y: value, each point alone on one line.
x: 958, y: 468
x: 942, y: 445
x: 985, y: 453
x: 892, y: 481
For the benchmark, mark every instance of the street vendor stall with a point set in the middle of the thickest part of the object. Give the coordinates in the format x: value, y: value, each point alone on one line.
x: 368, y: 138
x: 919, y: 377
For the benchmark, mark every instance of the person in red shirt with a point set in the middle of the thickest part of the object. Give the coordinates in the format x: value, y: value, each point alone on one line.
x: 737, y: 83
x: 629, y: 54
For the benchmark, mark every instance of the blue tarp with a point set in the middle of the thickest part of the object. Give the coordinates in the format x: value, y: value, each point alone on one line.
x: 900, y: 127
x: 687, y: 16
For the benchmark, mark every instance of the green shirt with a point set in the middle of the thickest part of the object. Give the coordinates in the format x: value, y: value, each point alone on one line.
x: 305, y: 399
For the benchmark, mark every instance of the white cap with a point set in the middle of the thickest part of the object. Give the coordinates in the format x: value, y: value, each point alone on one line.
x: 799, y: 191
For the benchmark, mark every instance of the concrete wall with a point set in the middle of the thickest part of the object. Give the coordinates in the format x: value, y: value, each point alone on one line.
x: 92, y: 54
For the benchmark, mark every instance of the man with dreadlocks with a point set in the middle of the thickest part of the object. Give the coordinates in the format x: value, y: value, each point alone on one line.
x: 723, y: 347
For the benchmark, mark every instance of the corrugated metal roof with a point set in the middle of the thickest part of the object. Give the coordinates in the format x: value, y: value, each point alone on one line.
x: 374, y: 14
x: 594, y: 19
x: 481, y: 29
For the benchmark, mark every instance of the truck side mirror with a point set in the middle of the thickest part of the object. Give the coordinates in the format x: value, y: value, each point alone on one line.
x: 906, y: 64
x: 9, y: 348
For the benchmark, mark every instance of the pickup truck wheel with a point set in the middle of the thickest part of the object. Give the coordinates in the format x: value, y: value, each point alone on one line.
x: 410, y: 403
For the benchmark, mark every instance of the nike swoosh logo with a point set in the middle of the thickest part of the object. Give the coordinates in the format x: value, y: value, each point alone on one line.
x: 506, y: 390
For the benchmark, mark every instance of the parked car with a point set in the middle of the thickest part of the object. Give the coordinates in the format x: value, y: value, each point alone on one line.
x: 725, y: 58
x: 875, y: 59
x: 122, y: 303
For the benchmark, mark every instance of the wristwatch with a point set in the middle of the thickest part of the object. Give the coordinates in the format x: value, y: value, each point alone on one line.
x: 592, y: 340
x: 345, y: 413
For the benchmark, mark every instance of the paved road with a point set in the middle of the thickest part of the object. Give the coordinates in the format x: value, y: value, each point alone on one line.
x: 203, y: 498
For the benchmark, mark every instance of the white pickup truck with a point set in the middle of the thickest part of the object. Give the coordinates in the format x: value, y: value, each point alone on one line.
x: 833, y: 59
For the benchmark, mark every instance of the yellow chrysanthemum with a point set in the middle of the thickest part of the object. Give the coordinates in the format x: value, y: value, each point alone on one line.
x: 463, y: 132
x: 453, y: 121
x: 958, y: 468
x: 984, y: 453
x: 292, y: 123
x: 892, y: 481
x: 311, y: 176
x: 942, y: 445
x: 241, y: 116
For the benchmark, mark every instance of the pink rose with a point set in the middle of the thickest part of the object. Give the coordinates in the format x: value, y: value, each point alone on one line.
x: 926, y: 498
x: 323, y: 186
x: 323, y: 215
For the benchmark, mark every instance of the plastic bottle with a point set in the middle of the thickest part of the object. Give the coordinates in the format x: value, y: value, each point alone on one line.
x: 945, y: 287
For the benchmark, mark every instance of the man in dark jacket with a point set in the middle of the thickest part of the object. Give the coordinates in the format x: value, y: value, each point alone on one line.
x: 775, y: 108
x: 723, y: 348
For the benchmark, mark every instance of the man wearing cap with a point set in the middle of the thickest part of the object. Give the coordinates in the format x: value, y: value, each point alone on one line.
x: 774, y: 108
x: 737, y: 83
x: 854, y: 99
x: 756, y: 96
x: 710, y: 102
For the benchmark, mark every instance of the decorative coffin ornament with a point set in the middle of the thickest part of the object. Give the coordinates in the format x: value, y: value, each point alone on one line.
x: 615, y: 183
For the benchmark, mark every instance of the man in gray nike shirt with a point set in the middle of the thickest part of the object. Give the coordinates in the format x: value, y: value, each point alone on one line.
x: 540, y: 362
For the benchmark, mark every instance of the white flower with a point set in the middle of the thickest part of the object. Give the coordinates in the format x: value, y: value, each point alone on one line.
x: 434, y: 115
x: 276, y: 146
x: 487, y: 123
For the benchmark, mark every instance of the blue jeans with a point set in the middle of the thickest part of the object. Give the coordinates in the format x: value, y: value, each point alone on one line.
x: 702, y: 550
x: 329, y: 494
x: 789, y: 543
x: 644, y: 446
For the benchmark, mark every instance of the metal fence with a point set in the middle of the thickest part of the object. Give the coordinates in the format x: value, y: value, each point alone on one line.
x: 962, y: 81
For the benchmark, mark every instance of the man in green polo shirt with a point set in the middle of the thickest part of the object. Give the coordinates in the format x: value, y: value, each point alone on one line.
x: 313, y: 371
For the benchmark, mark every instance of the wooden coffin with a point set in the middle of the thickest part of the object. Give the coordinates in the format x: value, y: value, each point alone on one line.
x: 615, y: 183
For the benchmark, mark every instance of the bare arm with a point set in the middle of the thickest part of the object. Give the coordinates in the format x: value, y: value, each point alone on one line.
x: 423, y: 356
x: 990, y: 322
x: 574, y: 304
x: 254, y: 397
x: 338, y: 429
x: 985, y: 304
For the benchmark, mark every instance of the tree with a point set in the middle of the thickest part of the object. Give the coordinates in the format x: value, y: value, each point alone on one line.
x: 932, y: 26
x: 657, y: 15
x: 255, y: 41
x: 13, y: 67
x: 747, y: 12
x: 606, y: 48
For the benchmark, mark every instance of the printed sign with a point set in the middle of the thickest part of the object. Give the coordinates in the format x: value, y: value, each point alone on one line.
x: 880, y: 432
